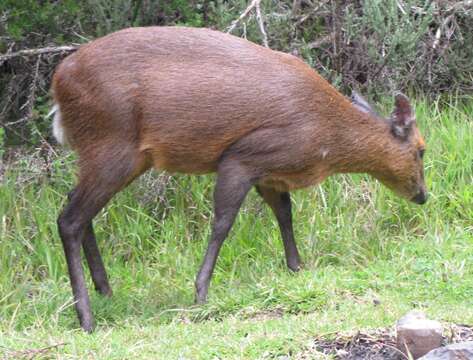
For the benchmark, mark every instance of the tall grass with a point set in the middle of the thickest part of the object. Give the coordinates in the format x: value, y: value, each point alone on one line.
x: 357, y: 240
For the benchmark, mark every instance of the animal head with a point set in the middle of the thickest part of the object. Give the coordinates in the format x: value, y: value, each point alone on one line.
x: 403, y: 170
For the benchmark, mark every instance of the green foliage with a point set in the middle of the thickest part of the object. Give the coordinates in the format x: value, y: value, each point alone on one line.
x: 111, y: 15
x: 45, y: 17
x: 394, y: 36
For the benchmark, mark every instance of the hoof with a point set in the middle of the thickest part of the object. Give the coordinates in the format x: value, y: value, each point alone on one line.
x: 105, y: 291
x: 294, y: 267
x: 87, y: 326
x: 200, y: 301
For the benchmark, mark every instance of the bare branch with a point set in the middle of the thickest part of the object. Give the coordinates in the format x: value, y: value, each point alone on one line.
x: 311, y: 13
x: 242, y: 16
x: 296, y: 4
x: 35, y: 52
x: 327, y: 39
x: 31, y: 98
x: 466, y: 6
x: 461, y: 5
x: 31, y: 353
x: 261, y: 25
x: 255, y: 4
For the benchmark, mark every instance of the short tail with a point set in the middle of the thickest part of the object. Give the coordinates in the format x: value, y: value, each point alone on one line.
x: 58, y: 129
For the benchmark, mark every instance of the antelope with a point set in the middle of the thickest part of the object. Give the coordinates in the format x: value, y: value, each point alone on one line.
x: 198, y: 101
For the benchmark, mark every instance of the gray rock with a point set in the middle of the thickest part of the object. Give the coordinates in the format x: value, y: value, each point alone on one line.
x: 418, y: 335
x: 458, y: 351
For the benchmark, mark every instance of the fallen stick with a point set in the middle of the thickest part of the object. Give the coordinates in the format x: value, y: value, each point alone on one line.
x: 35, y: 52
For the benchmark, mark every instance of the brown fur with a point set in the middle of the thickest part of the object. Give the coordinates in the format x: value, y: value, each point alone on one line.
x: 198, y: 101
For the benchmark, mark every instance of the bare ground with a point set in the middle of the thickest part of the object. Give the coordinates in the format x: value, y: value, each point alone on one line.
x: 379, y: 344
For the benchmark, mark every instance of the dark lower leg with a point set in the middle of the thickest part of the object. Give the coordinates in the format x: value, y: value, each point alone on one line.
x: 280, y: 203
x: 220, y: 231
x: 70, y: 236
x: 75, y: 229
x: 101, y: 176
x: 94, y: 260
x: 230, y: 191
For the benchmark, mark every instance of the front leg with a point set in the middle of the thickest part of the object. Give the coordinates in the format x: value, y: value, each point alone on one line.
x: 280, y: 203
x: 233, y: 183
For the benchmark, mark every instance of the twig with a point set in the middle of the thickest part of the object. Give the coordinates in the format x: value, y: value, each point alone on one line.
x: 400, y: 6
x: 461, y: 5
x: 242, y: 16
x: 82, y: 37
x: 259, y: 18
x: 323, y: 40
x: 31, y: 99
x: 394, y: 348
x: 443, y: 26
x: 255, y: 4
x: 296, y: 4
x: 311, y: 13
x: 47, y: 144
x: 8, y: 100
x: 34, y: 52
x: 466, y: 6
x: 31, y: 353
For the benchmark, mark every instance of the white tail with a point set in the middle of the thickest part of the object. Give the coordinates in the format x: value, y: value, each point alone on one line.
x: 58, y: 129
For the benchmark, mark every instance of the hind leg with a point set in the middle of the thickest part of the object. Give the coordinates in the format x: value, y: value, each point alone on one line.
x: 94, y: 260
x: 101, y: 177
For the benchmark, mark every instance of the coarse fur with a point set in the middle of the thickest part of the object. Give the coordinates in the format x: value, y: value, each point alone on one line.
x: 197, y: 101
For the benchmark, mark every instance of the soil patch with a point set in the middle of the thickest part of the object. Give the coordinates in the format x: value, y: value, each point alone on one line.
x: 379, y: 344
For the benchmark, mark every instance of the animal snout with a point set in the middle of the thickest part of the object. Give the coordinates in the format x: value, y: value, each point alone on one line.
x: 420, y: 198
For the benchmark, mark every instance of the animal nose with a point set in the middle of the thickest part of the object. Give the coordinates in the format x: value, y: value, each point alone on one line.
x: 420, y: 198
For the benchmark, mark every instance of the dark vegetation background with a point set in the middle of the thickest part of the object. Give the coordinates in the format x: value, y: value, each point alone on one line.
x: 418, y: 46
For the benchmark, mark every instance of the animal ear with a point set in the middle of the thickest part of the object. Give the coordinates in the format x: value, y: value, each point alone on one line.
x: 360, y: 103
x: 402, y: 117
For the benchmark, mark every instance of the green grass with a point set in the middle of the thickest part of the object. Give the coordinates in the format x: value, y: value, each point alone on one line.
x: 358, y: 241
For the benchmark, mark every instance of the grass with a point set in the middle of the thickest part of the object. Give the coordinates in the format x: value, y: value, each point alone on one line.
x: 369, y: 257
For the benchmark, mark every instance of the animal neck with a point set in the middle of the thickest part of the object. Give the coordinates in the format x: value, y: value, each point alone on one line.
x: 362, y: 144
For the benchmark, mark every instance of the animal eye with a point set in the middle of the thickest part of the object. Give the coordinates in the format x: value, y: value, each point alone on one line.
x: 421, y: 153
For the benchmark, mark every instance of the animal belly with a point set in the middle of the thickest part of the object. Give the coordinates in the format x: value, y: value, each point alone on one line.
x: 293, y: 181
x: 187, y: 162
